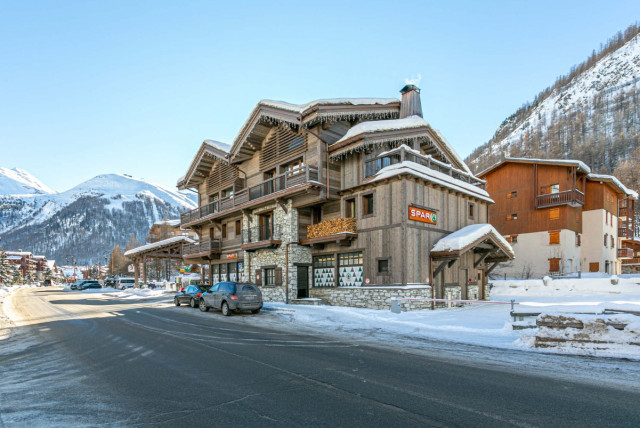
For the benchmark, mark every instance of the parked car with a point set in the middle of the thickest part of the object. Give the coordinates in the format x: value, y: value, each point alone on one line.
x: 124, y: 283
x: 232, y: 296
x: 75, y: 285
x: 89, y: 284
x: 110, y: 281
x: 190, y: 295
x: 47, y: 283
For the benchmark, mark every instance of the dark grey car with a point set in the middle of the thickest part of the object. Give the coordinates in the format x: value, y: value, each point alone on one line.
x: 232, y: 296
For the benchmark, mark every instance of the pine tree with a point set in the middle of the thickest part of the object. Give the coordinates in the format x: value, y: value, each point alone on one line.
x: 7, y: 270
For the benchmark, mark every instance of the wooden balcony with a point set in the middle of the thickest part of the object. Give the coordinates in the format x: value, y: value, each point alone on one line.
x: 272, y: 188
x: 256, y: 238
x: 625, y: 232
x: 573, y: 198
x: 625, y: 212
x: 625, y: 253
x: 341, y: 230
x: 633, y: 261
x: 207, y: 249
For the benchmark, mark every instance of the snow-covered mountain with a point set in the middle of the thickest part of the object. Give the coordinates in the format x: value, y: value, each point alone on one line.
x: 17, y: 181
x: 88, y: 220
x: 591, y: 114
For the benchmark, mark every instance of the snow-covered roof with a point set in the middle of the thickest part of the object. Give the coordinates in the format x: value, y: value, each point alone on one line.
x: 174, y: 222
x: 218, y: 145
x: 383, y: 125
x: 433, y: 176
x: 615, y: 182
x: 18, y: 253
x: 301, y: 108
x: 463, y: 238
x: 209, y: 152
x: 563, y: 162
x: 159, y: 244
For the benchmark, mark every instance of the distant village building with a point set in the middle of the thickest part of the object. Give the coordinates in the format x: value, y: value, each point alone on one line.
x: 344, y: 200
x: 168, y: 229
x: 31, y: 267
x: 559, y: 216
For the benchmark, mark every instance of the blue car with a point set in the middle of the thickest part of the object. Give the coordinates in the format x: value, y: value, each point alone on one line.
x: 190, y: 295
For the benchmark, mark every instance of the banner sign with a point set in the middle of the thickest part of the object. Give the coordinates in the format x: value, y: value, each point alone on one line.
x: 422, y: 215
x: 232, y: 256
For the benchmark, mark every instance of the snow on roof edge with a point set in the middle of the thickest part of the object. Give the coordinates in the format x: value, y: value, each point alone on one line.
x: 467, y: 235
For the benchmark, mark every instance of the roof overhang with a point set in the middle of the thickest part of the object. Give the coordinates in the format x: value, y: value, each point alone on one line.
x: 579, y: 165
x: 203, y: 161
x: 167, y: 248
x: 479, y: 238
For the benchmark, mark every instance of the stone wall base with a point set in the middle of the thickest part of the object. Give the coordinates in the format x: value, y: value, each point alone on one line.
x: 373, y: 298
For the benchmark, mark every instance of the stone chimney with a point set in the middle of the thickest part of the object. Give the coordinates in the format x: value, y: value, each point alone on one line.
x: 410, y: 105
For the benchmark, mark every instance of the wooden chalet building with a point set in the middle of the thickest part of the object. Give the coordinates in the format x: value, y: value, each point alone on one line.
x: 559, y: 216
x: 340, y: 200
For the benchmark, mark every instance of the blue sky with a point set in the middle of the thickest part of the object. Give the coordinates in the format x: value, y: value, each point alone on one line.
x: 94, y: 87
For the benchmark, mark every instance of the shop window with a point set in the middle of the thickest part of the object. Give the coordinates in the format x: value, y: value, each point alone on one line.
x: 554, y: 265
x: 384, y: 266
x: 554, y: 213
x: 554, y: 238
x: 351, y: 259
x: 324, y: 271
x: 270, y: 276
x: 367, y: 205
x: 350, y: 208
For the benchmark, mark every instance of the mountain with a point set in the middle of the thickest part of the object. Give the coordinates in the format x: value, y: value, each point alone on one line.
x: 87, y: 221
x: 19, y: 182
x: 591, y: 114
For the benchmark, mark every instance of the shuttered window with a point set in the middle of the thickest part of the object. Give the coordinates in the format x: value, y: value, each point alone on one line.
x: 554, y: 265
x: 554, y: 238
x: 282, y: 143
x: 554, y: 213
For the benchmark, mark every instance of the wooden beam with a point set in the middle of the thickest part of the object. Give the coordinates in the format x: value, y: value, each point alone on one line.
x: 481, y: 259
x: 491, y: 268
x: 441, y: 267
x: 283, y: 205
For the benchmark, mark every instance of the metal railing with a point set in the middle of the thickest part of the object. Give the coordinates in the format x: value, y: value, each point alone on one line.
x: 200, y: 247
x: 566, y: 197
x: 257, y: 234
x: 286, y: 180
x: 401, y: 154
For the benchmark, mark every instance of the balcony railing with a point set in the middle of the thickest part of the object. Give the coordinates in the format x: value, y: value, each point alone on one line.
x: 258, y: 234
x: 206, y: 246
x: 287, y: 180
x: 625, y: 253
x: 331, y: 227
x: 625, y: 232
x: 567, y: 197
x: 626, y: 212
x: 403, y: 153
x: 633, y: 261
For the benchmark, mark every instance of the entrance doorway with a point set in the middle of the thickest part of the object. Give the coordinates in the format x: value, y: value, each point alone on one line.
x: 303, y: 282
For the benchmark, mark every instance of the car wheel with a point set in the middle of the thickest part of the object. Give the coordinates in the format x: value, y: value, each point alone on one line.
x: 176, y: 301
x: 203, y: 306
x: 192, y: 303
x: 255, y: 311
x: 225, y: 309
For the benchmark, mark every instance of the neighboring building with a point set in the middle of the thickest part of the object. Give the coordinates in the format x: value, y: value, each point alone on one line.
x: 629, y: 245
x: 559, y: 217
x: 26, y: 263
x: 342, y: 200
x: 168, y: 229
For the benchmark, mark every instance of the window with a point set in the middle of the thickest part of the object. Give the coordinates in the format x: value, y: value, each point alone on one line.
x: 367, y: 205
x: 293, y: 166
x: 266, y: 226
x: 512, y: 216
x: 224, y: 231
x: 554, y: 188
x: 270, y: 276
x: 238, y: 227
x: 578, y: 240
x: 351, y: 259
x: 554, y: 238
x: 383, y: 266
x: 594, y: 267
x: 350, y: 208
x: 512, y: 195
x: 269, y: 182
x: 316, y: 215
x: 471, y: 209
x: 227, y: 192
x: 554, y: 265
x: 613, y: 244
x: 514, y: 239
x: 323, y: 261
x: 554, y: 213
x: 606, y: 235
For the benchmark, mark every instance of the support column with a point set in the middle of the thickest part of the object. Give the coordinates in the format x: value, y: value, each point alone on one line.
x: 144, y: 271
x: 136, y: 269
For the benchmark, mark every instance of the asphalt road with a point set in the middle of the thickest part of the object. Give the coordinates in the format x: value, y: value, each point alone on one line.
x: 79, y: 360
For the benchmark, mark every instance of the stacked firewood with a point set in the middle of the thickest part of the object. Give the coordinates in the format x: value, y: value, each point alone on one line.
x: 331, y: 227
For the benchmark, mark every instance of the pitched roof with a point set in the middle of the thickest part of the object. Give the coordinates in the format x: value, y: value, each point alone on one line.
x: 469, y: 237
x: 615, y: 182
x: 396, y: 131
x: 159, y: 244
x: 210, y: 151
x: 581, y: 166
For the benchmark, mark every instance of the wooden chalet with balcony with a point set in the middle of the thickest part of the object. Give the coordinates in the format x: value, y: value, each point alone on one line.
x: 339, y: 200
x: 559, y: 216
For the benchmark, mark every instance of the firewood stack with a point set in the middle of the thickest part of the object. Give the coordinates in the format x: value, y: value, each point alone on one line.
x: 331, y: 227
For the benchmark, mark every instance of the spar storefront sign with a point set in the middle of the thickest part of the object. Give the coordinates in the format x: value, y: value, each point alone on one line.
x: 422, y: 215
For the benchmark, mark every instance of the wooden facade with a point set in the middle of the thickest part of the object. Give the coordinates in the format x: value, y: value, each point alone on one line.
x: 303, y: 204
